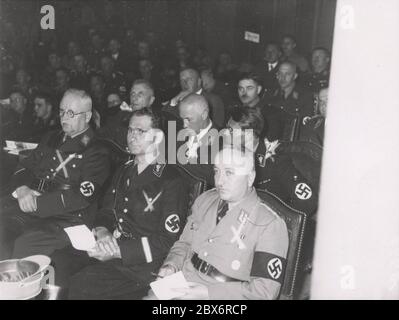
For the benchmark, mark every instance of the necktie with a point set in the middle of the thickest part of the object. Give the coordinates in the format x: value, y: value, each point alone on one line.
x: 222, y: 209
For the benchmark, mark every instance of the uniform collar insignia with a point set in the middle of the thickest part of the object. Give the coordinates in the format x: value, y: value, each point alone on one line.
x: 158, y: 169
x: 261, y: 160
x: 85, y: 139
x: 270, y: 148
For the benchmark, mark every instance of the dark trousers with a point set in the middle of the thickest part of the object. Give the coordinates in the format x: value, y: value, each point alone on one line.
x: 86, y: 278
x: 23, y: 234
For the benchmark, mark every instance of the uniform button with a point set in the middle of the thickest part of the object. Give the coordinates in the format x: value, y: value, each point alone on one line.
x: 126, y: 199
x: 125, y: 210
x: 74, y: 166
x: 210, y: 240
x: 113, y: 190
x: 54, y: 158
x: 48, y: 177
x: 52, y: 170
x: 205, y: 254
x: 80, y: 215
x: 120, y: 220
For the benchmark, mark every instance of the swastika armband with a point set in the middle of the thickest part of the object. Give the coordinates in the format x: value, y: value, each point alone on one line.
x: 87, y: 188
x: 172, y: 223
x: 303, y: 191
x: 269, y: 266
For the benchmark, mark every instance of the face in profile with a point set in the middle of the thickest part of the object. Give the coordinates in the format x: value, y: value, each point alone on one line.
x: 320, y: 60
x: 322, y: 102
x: 42, y: 108
x: 193, y: 117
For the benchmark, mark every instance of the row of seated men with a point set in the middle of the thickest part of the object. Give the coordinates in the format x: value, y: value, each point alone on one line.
x: 221, y: 91
x: 143, y: 212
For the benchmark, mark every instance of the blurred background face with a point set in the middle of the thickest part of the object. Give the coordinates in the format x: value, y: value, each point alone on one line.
x: 272, y: 53
x: 54, y: 61
x: 182, y: 54
x: 62, y: 79
x: 107, y: 66
x: 96, y: 85
x: 323, y: 100
x: 80, y: 121
x: 189, y: 81
x: 224, y: 59
x: 114, y: 46
x: 42, y: 108
x: 248, y: 91
x: 143, y: 49
x: 320, y: 60
x: 208, y: 81
x: 73, y: 48
x: 96, y: 41
x: 79, y: 63
x: 18, y: 102
x: 145, y: 67
x: 286, y: 76
x: 232, y: 176
x: 240, y: 137
x: 287, y: 45
x: 140, y: 136
x: 192, y: 118
x: 140, y: 97
x: 113, y: 100
x: 22, y: 77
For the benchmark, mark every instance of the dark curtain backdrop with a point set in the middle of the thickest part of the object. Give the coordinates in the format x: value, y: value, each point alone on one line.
x: 216, y: 24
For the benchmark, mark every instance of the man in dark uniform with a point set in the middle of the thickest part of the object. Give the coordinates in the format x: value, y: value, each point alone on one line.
x: 294, y: 101
x: 57, y: 185
x: 320, y: 76
x: 143, y: 214
x: 275, y: 171
x: 114, y: 80
x: 267, y: 69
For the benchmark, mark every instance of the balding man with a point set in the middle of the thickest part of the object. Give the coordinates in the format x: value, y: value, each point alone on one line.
x: 230, y: 238
x: 294, y: 101
x: 57, y: 185
x: 198, y: 140
x: 190, y: 82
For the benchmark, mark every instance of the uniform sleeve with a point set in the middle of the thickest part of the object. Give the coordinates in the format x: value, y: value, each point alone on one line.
x: 23, y: 174
x: 94, y: 172
x: 172, y: 219
x: 267, y: 270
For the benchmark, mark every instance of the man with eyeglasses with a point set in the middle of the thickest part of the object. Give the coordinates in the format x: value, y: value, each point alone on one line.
x: 57, y: 185
x: 142, y: 215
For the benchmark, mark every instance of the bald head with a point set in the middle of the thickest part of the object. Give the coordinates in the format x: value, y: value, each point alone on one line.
x: 194, y: 111
x: 190, y: 80
x: 287, y: 75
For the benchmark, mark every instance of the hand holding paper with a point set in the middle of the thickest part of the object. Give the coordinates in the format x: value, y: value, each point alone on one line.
x: 164, y: 288
x: 81, y: 237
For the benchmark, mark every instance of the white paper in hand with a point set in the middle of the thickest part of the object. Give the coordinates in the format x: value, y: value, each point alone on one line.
x: 81, y: 237
x: 163, y: 288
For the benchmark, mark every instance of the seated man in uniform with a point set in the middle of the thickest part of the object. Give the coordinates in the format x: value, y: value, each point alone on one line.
x: 57, y: 185
x: 232, y: 242
x: 143, y: 214
x: 275, y: 171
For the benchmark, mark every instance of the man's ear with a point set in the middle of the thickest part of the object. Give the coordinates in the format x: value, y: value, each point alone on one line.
x: 152, y: 100
x: 88, y: 115
x: 158, y: 136
x: 251, y: 178
x: 259, y: 89
x: 295, y: 76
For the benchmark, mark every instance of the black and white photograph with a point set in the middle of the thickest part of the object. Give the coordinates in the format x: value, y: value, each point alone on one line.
x: 199, y: 150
